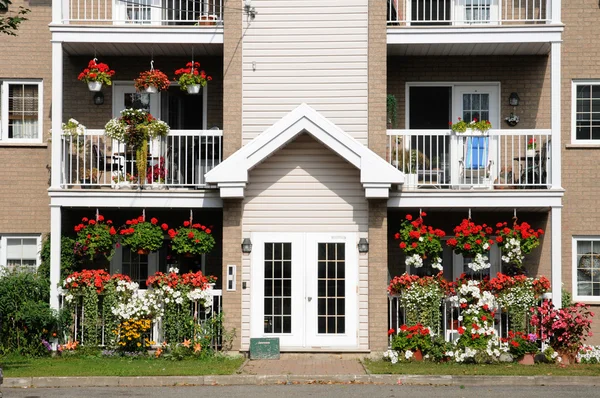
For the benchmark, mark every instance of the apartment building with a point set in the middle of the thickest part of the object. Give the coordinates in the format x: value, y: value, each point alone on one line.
x: 291, y: 148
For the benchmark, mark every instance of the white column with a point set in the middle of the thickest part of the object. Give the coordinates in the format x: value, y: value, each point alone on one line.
x: 556, y: 255
x: 55, y: 243
x: 555, y: 94
x: 556, y: 10
x: 57, y: 110
x: 57, y: 11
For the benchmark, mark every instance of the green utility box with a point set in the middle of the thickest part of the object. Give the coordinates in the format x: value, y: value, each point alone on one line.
x: 264, y: 348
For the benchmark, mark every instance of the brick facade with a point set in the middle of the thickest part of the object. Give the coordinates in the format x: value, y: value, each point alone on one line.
x: 25, y: 178
x: 579, y: 165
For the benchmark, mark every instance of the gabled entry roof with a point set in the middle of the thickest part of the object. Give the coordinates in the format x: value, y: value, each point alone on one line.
x: 376, y: 175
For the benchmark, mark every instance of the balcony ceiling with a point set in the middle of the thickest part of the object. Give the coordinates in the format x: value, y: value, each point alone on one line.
x: 142, y: 49
x: 473, y: 49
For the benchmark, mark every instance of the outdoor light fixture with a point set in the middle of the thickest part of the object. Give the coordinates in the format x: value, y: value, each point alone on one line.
x: 98, y: 98
x: 246, y: 246
x: 363, y: 245
x: 250, y: 11
x: 514, y: 99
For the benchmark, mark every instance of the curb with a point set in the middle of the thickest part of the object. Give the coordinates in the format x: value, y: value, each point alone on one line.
x: 228, y: 380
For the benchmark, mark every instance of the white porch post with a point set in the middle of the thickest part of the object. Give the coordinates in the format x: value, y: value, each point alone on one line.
x: 56, y: 11
x: 556, y: 10
x: 555, y: 255
x: 555, y: 93
x: 57, y: 110
x: 55, y: 244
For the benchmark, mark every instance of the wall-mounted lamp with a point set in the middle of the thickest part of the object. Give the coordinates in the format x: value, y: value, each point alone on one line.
x: 513, y: 99
x: 247, y: 246
x: 98, y: 98
x: 250, y: 11
x: 363, y: 245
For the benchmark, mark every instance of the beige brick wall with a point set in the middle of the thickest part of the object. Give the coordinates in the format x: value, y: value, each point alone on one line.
x: 78, y: 100
x: 529, y: 76
x: 580, y: 60
x: 377, y: 77
x: 378, y: 263
x: 25, y: 177
x: 232, y: 141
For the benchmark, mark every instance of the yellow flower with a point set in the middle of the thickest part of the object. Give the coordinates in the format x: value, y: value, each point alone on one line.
x: 139, y: 344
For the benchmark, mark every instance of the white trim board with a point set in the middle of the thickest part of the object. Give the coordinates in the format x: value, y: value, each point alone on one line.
x: 376, y: 175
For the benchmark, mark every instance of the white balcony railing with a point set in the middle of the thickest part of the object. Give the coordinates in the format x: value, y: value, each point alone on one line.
x: 467, y: 12
x: 179, y: 160
x: 499, y: 159
x: 450, y: 320
x: 143, y: 12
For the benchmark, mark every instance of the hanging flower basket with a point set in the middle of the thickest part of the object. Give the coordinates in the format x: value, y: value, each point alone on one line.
x: 473, y: 241
x: 96, y: 74
x: 143, y: 236
x: 420, y: 243
x: 134, y: 128
x: 152, y: 81
x: 191, y: 78
x: 191, y: 239
x: 95, y: 237
x: 516, y: 242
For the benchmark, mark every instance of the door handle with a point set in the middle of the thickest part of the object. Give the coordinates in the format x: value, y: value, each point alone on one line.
x: 309, y: 299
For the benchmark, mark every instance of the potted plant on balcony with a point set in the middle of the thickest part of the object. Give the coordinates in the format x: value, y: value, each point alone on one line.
x: 191, y: 78
x: 409, y: 162
x: 88, y: 178
x: 152, y: 81
x: 96, y: 74
x: 95, y: 237
x: 475, y: 126
x: 142, y: 236
x: 191, y: 239
x: 156, y: 175
x: 531, y: 147
x: 134, y: 128
x: 123, y: 180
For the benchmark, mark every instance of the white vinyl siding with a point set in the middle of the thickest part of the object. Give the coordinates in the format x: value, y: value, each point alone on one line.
x: 311, y: 52
x: 305, y: 187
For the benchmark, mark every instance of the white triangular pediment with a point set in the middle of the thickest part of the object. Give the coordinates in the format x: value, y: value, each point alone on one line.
x: 376, y: 175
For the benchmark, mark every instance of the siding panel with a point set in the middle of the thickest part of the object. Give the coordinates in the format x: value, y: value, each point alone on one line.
x: 306, y: 51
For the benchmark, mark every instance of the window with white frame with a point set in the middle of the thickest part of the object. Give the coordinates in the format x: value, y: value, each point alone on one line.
x: 586, y: 267
x: 21, y: 111
x: 586, y: 112
x: 20, y: 252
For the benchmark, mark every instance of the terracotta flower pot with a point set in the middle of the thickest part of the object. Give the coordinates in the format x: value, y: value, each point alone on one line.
x: 417, y: 355
x: 528, y: 359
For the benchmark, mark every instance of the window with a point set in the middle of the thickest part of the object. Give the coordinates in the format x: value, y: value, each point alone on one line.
x: 586, y: 112
x: 20, y: 253
x: 586, y: 268
x: 21, y: 111
x: 477, y: 10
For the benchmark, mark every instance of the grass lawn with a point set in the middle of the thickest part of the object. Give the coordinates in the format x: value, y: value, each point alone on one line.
x: 14, y: 366
x: 451, y: 368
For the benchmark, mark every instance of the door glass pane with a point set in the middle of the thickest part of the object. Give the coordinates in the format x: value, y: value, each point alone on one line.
x: 476, y: 106
x: 278, y: 288
x: 137, y: 101
x: 331, y: 289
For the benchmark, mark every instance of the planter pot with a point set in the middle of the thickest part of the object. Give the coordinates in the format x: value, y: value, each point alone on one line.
x: 417, y: 355
x: 189, y: 255
x: 566, y: 358
x: 151, y: 89
x: 411, y: 181
x: 207, y: 20
x: 158, y: 186
x: 95, y: 86
x: 528, y: 359
x: 143, y: 251
x: 530, y: 153
x: 193, y: 89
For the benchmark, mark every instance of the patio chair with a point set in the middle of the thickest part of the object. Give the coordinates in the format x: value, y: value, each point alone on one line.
x: 476, y: 165
x: 105, y: 163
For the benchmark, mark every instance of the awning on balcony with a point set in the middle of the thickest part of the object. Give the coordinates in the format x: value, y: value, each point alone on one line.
x: 376, y: 175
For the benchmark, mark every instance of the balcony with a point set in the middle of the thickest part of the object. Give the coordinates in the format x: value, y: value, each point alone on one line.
x: 177, y: 161
x: 498, y: 159
x: 473, y: 27
x: 201, y: 13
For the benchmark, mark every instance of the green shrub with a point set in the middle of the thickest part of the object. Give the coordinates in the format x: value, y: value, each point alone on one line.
x: 68, y: 260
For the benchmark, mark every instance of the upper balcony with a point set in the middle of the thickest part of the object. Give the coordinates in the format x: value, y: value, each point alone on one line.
x: 472, y: 27
x: 138, y: 21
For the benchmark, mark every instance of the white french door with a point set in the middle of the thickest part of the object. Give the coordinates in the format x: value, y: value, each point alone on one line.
x: 125, y: 96
x: 137, y: 12
x: 304, y: 289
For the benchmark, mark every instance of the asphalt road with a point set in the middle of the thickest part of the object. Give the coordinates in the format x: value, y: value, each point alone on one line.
x: 296, y: 391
